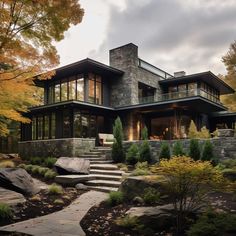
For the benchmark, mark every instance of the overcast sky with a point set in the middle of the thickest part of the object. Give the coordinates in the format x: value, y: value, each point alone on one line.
x: 174, y: 35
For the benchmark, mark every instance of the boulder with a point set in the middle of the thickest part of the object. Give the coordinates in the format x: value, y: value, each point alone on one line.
x: 159, y: 217
x: 134, y: 186
x: 18, y: 180
x: 10, y: 197
x: 72, y: 165
x: 81, y: 186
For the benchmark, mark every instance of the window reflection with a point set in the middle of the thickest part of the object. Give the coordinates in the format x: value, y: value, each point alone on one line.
x: 64, y: 92
x: 80, y: 89
x: 72, y: 90
x: 57, y: 93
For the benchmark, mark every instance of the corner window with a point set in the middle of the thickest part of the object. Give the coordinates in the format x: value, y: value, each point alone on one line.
x: 95, y: 89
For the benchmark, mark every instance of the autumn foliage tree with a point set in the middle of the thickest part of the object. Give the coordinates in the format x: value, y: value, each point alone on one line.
x: 230, y: 62
x: 28, y: 30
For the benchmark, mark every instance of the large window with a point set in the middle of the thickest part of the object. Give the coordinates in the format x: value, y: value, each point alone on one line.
x: 80, y: 89
x: 66, y: 124
x: 57, y: 93
x: 46, y: 127
x: 95, y: 89
x: 53, y: 125
x: 40, y: 127
x: 72, y: 90
x: 34, y: 128
x: 64, y: 96
x: 77, y: 125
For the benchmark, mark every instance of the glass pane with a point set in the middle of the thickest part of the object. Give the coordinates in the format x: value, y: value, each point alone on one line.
x: 72, y: 90
x: 91, y: 90
x: 77, y: 125
x: 46, y: 127
x: 85, y: 125
x: 80, y: 89
x: 34, y: 123
x: 92, y: 126
x: 53, y: 125
x: 98, y: 93
x: 51, y: 94
x: 40, y: 127
x: 66, y: 124
x: 64, y: 91
x: 57, y: 93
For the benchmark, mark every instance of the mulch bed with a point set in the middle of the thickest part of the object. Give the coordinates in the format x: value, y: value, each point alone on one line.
x: 42, y: 205
x: 100, y: 220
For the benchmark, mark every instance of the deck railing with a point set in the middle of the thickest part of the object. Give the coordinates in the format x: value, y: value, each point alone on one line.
x: 179, y: 95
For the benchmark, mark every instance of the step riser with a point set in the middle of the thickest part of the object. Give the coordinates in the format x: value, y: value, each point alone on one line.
x: 100, y: 162
x: 91, y: 156
x: 104, y: 173
x: 103, y: 168
x: 103, y: 184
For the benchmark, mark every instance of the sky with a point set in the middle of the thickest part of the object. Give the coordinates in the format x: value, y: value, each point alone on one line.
x: 174, y: 35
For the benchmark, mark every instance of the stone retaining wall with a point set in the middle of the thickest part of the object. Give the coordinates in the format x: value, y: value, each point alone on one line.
x: 55, y: 147
x: 224, y: 147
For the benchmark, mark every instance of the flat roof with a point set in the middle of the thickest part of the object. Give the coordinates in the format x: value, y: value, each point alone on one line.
x: 207, y: 77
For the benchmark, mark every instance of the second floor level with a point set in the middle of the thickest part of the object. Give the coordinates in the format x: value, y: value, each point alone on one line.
x: 128, y: 81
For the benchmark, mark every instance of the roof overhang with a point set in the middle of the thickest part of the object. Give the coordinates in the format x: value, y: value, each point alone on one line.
x: 80, y: 67
x: 195, y: 104
x: 207, y: 77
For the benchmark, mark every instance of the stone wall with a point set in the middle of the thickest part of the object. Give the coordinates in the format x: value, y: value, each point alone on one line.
x: 224, y: 147
x: 124, y: 91
x: 55, y: 147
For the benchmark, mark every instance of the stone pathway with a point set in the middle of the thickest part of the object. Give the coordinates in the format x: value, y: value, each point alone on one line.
x: 63, y: 223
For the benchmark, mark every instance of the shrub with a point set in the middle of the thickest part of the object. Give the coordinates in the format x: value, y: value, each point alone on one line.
x: 122, y: 167
x: 128, y: 222
x: 35, y: 169
x: 194, y: 150
x: 35, y: 198
x: 145, y: 152
x: 58, y: 201
x: 35, y: 160
x: 28, y: 168
x: 144, y: 133
x: 132, y: 154
x: 50, y: 174
x: 151, y: 196
x: 141, y: 168
x: 23, y: 166
x: 55, y: 189
x: 118, y: 154
x: 165, y: 151
x: 215, y: 133
x: 42, y: 170
x: 115, y: 198
x: 188, y: 182
x: 5, y: 212
x: 204, y: 133
x: 192, y: 132
x: 207, y: 154
x: 178, y: 149
x: 7, y: 164
x: 215, y: 224
x: 50, y: 161
x: 229, y: 163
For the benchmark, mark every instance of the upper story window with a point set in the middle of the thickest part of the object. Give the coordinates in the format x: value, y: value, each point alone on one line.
x: 68, y: 89
x: 95, y: 89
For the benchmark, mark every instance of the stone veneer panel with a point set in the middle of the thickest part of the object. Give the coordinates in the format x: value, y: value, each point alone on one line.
x: 69, y: 147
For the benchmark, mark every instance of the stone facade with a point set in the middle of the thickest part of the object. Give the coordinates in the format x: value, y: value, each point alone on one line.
x: 124, y: 91
x: 224, y: 147
x: 69, y: 147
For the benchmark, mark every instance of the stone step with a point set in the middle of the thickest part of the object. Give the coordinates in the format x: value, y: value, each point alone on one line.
x: 90, y: 155
x: 93, y: 153
x: 103, y: 183
x: 103, y: 189
x: 101, y: 162
x: 97, y: 159
x: 72, y: 180
x: 101, y: 149
x: 106, y: 172
x: 103, y: 167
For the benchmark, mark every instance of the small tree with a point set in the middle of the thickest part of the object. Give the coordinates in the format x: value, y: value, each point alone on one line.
x: 132, y: 155
x: 144, y: 133
x: 118, y: 154
x: 194, y: 150
x: 204, y: 133
x: 165, y: 151
x: 145, y: 152
x: 192, y: 133
x: 188, y: 182
x: 178, y: 149
x: 207, y: 154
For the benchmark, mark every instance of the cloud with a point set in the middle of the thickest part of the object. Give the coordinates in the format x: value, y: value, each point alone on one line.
x: 173, y: 34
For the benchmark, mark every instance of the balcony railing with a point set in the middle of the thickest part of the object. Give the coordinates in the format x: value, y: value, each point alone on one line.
x: 179, y: 95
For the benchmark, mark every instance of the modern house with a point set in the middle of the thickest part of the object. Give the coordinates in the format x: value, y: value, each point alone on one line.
x: 83, y: 99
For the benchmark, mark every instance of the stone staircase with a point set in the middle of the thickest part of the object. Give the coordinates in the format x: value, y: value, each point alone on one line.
x: 104, y: 176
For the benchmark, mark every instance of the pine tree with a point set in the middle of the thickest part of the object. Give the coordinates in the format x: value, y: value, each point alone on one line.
x: 194, y: 150
x: 207, y: 154
x: 193, y: 133
x: 144, y: 133
x: 145, y: 152
x: 165, y: 151
x: 178, y: 149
